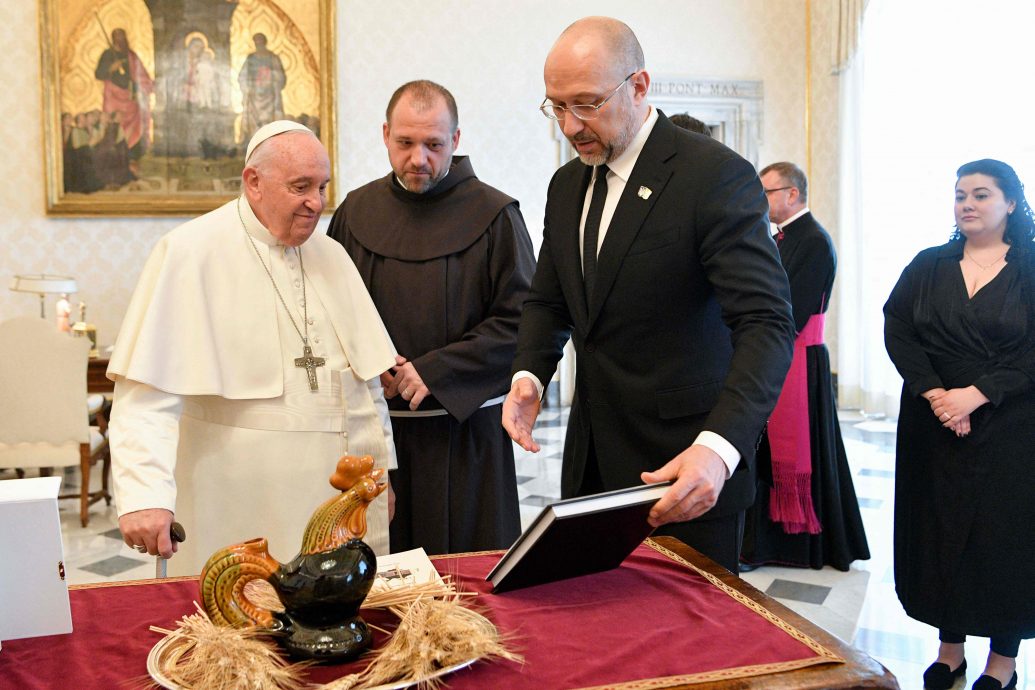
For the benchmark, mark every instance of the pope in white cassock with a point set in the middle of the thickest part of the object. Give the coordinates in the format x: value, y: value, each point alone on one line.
x: 247, y: 364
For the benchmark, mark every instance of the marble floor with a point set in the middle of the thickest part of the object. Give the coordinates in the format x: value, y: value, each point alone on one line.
x: 859, y: 606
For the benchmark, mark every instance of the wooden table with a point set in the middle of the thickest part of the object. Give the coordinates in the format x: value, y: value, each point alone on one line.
x: 109, y: 648
x: 96, y: 381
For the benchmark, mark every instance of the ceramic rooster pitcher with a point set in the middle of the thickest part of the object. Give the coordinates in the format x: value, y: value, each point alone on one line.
x: 321, y: 589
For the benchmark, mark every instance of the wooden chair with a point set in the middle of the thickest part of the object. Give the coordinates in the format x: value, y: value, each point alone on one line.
x: 43, y: 412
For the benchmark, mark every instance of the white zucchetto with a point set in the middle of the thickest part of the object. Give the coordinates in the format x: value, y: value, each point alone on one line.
x: 271, y: 130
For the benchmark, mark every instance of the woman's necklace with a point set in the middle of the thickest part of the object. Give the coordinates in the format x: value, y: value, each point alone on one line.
x: 307, y: 360
x: 983, y: 267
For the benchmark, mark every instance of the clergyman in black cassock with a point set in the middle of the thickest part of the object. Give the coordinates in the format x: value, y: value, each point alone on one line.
x: 834, y: 533
x: 805, y: 511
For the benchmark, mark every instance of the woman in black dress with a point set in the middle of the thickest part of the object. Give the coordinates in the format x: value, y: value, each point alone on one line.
x: 960, y: 328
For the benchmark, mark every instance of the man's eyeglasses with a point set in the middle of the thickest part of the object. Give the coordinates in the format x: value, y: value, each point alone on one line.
x: 582, y: 112
x: 778, y: 189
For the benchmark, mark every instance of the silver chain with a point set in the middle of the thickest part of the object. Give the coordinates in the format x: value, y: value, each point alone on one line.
x: 301, y: 266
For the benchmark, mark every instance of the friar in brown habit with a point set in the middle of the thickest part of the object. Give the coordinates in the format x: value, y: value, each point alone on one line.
x: 448, y: 261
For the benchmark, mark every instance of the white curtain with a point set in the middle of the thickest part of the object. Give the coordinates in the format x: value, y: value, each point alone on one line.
x: 846, y: 32
x: 934, y: 85
x: 864, y: 381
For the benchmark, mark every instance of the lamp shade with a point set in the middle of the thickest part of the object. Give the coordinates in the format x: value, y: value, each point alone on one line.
x: 43, y: 283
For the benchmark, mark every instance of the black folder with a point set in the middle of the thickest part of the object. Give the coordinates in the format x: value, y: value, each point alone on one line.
x: 578, y: 536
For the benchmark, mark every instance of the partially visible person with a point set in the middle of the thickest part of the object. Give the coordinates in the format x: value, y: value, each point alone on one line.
x: 80, y: 161
x: 245, y: 367
x: 448, y: 262
x: 262, y: 78
x: 690, y: 123
x: 657, y: 261
x: 960, y: 329
x: 127, y: 91
x: 805, y: 512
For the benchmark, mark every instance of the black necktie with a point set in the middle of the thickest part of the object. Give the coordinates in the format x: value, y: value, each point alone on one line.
x: 592, y: 231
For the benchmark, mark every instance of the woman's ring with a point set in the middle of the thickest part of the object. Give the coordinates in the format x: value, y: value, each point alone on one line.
x: 945, y: 416
x: 141, y: 548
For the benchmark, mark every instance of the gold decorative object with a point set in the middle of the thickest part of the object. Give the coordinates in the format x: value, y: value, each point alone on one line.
x: 81, y: 328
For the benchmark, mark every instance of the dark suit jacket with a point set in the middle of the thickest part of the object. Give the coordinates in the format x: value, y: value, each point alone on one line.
x: 808, y: 257
x: 689, y: 327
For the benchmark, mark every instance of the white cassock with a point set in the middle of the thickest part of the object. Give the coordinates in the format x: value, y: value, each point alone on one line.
x: 212, y: 419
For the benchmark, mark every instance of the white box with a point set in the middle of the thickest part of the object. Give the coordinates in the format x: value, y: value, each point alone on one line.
x: 33, y: 591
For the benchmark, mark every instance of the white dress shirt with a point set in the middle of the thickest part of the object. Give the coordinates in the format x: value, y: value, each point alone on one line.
x: 796, y: 216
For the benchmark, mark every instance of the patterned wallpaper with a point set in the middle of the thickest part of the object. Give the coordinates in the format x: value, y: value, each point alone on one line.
x: 489, y: 53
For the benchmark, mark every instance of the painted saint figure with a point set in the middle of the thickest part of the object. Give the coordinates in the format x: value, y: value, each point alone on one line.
x: 127, y: 91
x: 262, y: 79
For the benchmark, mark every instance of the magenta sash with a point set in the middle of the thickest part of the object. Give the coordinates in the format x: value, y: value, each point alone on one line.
x: 790, y: 499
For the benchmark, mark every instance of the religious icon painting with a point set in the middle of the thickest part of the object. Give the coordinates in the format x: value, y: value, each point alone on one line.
x: 149, y: 104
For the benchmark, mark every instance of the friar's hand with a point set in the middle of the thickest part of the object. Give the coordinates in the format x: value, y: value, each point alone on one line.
x: 698, y: 475
x: 149, y: 528
x: 520, y: 410
x: 409, y: 383
x: 389, y: 380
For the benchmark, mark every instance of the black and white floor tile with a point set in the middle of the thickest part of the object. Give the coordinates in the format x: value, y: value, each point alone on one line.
x: 858, y: 606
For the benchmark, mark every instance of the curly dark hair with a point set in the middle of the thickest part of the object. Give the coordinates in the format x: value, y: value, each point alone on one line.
x: 1020, y: 225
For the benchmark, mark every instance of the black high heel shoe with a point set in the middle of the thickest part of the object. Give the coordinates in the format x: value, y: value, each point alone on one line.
x: 989, y: 683
x: 939, y: 676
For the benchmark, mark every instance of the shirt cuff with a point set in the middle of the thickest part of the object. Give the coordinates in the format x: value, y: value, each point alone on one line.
x: 722, y: 447
x: 529, y: 375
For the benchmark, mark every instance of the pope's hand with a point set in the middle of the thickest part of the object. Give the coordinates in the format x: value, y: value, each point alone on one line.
x: 698, y: 475
x: 149, y: 528
x: 520, y: 410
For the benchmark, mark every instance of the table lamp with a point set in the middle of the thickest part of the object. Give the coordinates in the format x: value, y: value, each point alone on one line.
x: 43, y: 284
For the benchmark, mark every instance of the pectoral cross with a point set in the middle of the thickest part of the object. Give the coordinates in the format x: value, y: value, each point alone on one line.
x: 310, y: 363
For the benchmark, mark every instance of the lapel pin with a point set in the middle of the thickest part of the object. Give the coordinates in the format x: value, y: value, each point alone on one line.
x: 644, y: 193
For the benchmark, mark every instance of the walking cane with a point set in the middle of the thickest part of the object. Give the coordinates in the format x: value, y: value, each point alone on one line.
x: 176, y: 533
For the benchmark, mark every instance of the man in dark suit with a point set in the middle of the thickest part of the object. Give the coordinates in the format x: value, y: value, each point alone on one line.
x: 678, y: 309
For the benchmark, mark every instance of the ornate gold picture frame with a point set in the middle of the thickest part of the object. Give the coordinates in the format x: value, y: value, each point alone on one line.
x: 149, y: 104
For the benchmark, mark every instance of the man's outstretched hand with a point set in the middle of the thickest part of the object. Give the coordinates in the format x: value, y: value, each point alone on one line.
x: 520, y: 410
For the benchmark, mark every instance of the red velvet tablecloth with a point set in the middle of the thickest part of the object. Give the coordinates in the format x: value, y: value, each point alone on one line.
x: 655, y: 621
